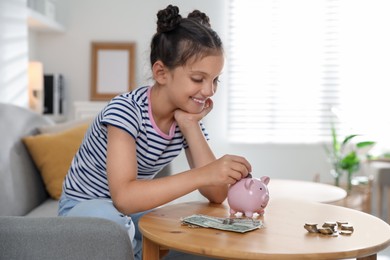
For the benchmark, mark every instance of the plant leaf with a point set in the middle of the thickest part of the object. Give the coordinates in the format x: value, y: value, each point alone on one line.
x: 336, y: 145
x: 350, y: 162
x: 347, y: 139
x: 364, y: 144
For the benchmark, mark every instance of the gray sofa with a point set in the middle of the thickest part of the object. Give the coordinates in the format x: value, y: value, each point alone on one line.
x: 29, y: 226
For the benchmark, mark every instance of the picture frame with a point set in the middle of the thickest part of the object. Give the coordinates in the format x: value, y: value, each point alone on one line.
x: 112, y: 69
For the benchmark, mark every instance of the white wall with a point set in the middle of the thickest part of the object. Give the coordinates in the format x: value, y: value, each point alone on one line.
x: 134, y: 20
x: 101, y: 20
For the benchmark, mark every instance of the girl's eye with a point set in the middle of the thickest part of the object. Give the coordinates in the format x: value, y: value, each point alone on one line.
x: 197, y: 80
x: 216, y: 81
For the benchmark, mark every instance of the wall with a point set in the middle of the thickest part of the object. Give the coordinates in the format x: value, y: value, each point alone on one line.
x: 130, y: 20
x: 100, y: 20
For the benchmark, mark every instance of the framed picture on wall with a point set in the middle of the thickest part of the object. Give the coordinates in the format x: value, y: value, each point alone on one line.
x: 112, y: 69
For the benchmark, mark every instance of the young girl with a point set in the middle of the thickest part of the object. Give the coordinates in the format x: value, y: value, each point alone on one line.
x: 140, y: 132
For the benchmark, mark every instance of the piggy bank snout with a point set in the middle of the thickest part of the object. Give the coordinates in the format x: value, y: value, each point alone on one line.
x: 265, y: 199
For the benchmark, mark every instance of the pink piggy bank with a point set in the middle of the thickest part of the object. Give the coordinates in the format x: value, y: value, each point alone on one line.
x: 249, y: 195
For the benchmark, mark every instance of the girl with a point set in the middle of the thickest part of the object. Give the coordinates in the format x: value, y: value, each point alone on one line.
x: 140, y: 132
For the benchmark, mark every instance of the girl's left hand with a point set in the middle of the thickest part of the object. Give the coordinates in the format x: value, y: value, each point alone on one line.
x: 183, y: 118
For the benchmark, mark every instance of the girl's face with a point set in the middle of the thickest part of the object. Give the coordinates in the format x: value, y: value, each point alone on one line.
x: 191, y: 85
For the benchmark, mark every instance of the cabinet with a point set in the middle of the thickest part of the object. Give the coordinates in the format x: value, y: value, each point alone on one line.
x: 38, y: 22
x: 87, y: 109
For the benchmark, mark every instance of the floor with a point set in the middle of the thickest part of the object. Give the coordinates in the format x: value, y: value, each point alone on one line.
x: 384, y: 255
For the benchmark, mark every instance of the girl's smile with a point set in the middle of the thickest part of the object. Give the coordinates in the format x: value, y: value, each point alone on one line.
x: 199, y: 101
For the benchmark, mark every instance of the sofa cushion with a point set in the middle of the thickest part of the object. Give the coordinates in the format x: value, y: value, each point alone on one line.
x: 49, y: 208
x: 53, y: 153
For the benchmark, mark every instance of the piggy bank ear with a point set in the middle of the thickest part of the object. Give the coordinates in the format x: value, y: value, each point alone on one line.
x: 248, y: 183
x: 265, y: 179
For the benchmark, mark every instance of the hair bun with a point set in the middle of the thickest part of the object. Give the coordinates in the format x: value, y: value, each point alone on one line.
x: 168, y: 19
x: 200, y: 17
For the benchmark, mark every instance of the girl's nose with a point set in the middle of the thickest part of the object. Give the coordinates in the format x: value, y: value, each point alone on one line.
x: 208, y: 90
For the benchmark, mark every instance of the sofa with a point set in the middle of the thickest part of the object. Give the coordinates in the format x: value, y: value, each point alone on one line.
x: 29, y: 225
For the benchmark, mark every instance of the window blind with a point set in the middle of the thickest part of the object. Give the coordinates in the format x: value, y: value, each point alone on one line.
x: 292, y: 64
x: 13, y: 52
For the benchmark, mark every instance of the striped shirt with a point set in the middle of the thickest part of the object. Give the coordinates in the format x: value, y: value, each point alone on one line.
x: 131, y: 112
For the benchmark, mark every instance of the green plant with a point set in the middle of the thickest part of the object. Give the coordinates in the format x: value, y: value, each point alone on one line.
x: 343, y: 159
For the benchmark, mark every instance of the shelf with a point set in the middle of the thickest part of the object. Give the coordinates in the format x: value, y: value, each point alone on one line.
x: 40, y: 23
x: 87, y: 109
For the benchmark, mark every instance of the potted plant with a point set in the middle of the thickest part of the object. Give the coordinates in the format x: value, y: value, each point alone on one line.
x: 344, y: 156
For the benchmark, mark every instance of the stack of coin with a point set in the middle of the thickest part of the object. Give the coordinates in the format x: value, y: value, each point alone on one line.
x: 331, y: 228
x: 311, y: 227
x: 346, y: 229
x: 330, y: 224
x: 326, y: 231
x: 339, y: 223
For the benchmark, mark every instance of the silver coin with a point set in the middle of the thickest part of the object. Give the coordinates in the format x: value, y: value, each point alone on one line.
x: 312, y: 228
x: 346, y: 232
x: 326, y: 231
x: 346, y: 227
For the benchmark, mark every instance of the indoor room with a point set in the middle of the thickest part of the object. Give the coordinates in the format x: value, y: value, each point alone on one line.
x: 302, y: 96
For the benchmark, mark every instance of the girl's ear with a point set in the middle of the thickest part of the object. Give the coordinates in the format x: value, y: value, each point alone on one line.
x: 160, y: 72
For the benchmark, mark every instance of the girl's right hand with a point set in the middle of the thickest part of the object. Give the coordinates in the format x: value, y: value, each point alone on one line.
x: 185, y: 119
x: 227, y: 170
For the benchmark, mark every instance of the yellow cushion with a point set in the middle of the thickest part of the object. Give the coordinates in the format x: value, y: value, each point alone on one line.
x: 53, y: 153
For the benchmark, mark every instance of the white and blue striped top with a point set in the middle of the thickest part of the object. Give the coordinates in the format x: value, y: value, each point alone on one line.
x: 87, y: 176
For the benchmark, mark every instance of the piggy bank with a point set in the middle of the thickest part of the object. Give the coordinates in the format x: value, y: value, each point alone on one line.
x: 249, y: 195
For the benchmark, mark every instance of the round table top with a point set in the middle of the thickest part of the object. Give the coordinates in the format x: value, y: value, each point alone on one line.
x: 283, y: 236
x: 307, y: 190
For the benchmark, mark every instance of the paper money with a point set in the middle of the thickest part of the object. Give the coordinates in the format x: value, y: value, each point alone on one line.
x: 240, y: 225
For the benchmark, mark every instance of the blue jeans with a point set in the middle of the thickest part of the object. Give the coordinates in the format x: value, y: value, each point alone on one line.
x: 104, y: 208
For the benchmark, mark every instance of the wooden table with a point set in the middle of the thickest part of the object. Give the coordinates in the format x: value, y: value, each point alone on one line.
x: 308, y: 190
x: 283, y: 236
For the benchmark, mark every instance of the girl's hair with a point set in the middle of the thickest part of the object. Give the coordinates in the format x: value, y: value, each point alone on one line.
x: 179, y: 39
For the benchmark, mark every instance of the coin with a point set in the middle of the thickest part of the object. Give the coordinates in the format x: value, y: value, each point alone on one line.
x: 346, y: 227
x: 326, y: 231
x: 330, y: 224
x: 339, y: 223
x: 346, y: 232
x: 311, y: 227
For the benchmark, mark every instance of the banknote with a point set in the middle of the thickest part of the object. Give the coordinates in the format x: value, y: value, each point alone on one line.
x: 240, y: 225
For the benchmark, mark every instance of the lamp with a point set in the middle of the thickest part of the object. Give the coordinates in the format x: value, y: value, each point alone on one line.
x: 35, y: 86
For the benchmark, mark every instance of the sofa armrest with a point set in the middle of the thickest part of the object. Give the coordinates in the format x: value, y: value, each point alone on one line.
x: 63, y: 238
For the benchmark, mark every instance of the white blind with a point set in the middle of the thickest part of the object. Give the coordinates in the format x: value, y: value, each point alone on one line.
x: 290, y: 63
x: 13, y: 52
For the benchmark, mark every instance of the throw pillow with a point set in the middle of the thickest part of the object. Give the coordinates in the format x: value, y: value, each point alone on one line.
x: 53, y: 153
x: 49, y: 129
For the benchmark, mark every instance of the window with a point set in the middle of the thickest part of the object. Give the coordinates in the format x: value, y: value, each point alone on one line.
x: 296, y: 66
x: 13, y: 53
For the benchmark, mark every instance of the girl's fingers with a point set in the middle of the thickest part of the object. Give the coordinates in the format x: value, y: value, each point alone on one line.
x: 242, y: 165
x: 208, y: 107
x: 236, y: 175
